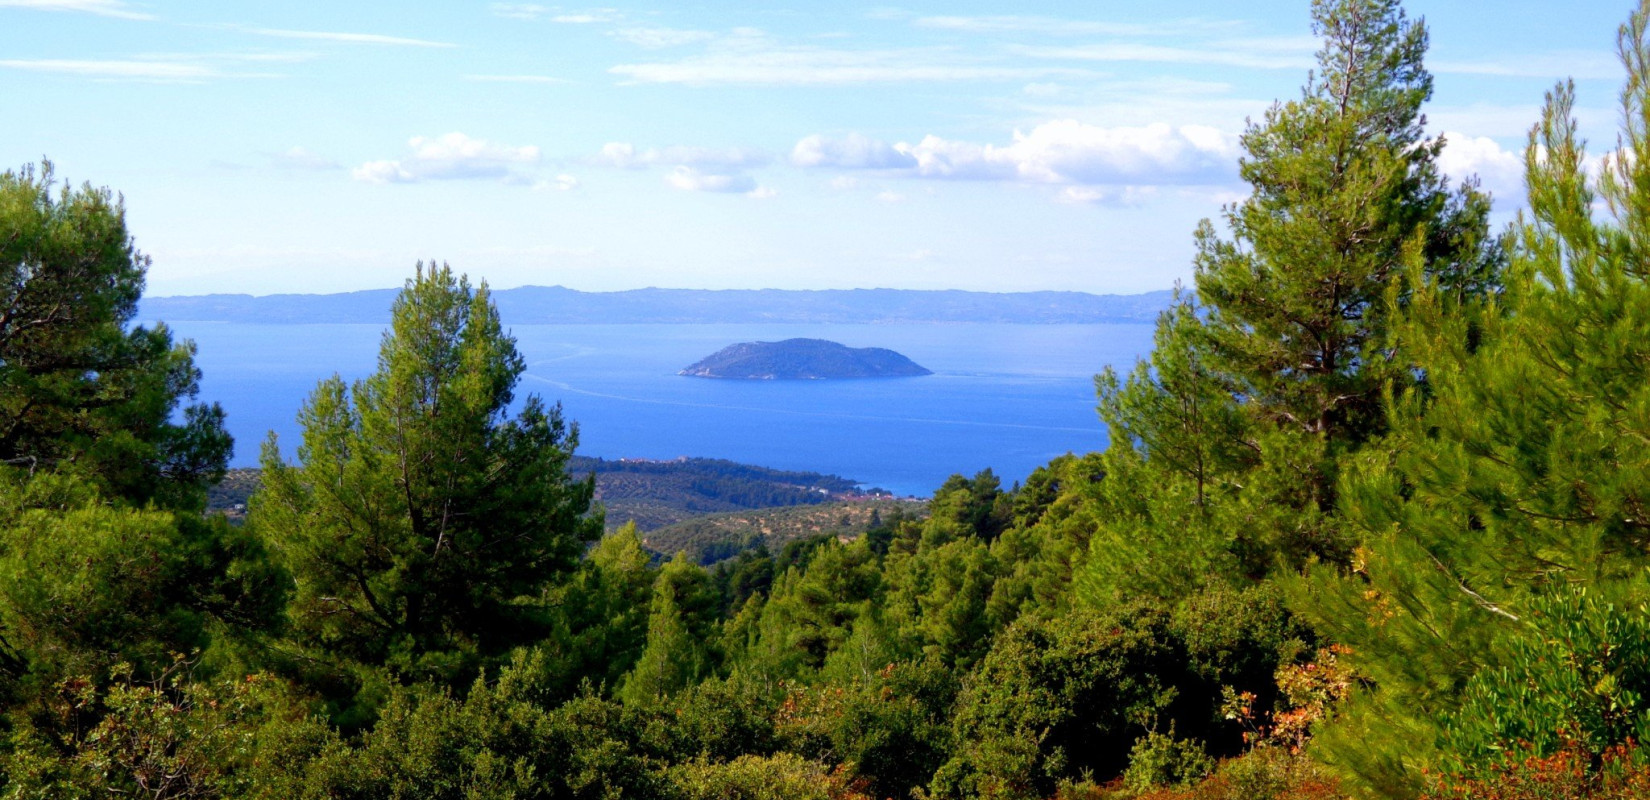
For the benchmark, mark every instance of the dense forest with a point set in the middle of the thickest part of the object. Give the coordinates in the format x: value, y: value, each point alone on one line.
x: 1372, y: 523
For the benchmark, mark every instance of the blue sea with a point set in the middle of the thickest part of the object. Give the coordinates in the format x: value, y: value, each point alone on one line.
x: 1008, y: 397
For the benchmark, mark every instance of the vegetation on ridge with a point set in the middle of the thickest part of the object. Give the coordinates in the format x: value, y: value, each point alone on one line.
x: 1371, y: 524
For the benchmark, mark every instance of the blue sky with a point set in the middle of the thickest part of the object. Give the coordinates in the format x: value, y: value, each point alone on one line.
x: 325, y: 146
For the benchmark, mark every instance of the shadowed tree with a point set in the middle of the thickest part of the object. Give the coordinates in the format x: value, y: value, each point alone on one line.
x: 423, y: 521
x: 81, y: 390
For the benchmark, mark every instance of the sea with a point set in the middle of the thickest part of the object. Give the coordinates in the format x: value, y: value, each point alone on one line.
x: 1003, y: 396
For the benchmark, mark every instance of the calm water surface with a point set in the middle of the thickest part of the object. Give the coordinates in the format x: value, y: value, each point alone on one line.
x: 1009, y: 397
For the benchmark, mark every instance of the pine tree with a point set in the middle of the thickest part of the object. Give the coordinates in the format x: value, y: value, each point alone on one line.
x: 1346, y: 195
x: 601, y: 612
x: 81, y: 389
x: 1496, y: 603
x: 422, y: 522
x: 679, y: 625
x: 1226, y: 442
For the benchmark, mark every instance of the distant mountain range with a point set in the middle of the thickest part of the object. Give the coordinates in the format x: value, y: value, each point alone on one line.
x: 558, y: 305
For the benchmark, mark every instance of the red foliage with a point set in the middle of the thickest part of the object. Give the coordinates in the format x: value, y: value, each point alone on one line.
x: 1571, y: 774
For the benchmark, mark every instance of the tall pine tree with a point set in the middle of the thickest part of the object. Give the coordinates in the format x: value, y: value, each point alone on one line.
x: 1497, y: 601
x: 423, y: 521
x: 1225, y: 444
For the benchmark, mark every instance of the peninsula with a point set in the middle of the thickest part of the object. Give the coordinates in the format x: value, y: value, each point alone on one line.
x: 803, y: 359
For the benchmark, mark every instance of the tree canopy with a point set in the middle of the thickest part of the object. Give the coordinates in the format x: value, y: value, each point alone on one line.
x: 423, y: 518
x: 81, y: 389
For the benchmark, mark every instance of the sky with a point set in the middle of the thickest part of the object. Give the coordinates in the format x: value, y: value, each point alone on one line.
x: 319, y: 147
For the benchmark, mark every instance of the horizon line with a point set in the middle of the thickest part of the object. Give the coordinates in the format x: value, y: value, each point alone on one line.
x: 661, y: 289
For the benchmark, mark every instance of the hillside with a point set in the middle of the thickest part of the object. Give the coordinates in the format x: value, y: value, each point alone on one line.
x: 717, y: 537
x: 653, y: 494
x: 529, y: 305
x: 803, y: 359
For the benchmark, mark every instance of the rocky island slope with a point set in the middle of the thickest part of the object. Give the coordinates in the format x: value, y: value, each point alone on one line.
x: 803, y: 359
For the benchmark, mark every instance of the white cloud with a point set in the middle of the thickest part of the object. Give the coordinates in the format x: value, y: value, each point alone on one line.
x: 518, y: 10
x: 382, y: 172
x: 346, y: 38
x: 749, y: 57
x: 302, y: 158
x: 1553, y: 66
x: 660, y: 38
x: 627, y: 156
x: 1068, y: 151
x: 562, y: 183
x: 762, y: 193
x: 1282, y: 54
x: 1041, y: 89
x: 547, y: 79
x: 1096, y: 164
x: 1501, y: 171
x: 102, y: 8
x: 160, y: 67
x: 854, y: 151
x: 689, y: 179
x: 161, y: 71
x: 590, y: 17
x: 1052, y: 26
x: 1110, y: 196
x: 453, y: 156
x: 260, y: 57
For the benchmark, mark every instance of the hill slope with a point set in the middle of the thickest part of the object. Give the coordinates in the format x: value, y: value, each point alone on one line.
x: 653, y: 494
x: 803, y: 359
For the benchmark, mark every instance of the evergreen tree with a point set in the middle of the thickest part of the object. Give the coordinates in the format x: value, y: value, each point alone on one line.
x: 601, y: 613
x: 80, y: 390
x: 422, y: 522
x: 1226, y: 443
x: 679, y: 650
x: 1496, y: 602
x: 1346, y: 195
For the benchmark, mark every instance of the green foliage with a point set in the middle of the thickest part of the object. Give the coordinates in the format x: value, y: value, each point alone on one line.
x: 1583, y: 684
x: 968, y: 507
x: 1447, y: 440
x: 1512, y: 484
x: 601, y: 613
x: 891, y: 729
x: 421, y: 521
x: 1161, y: 760
x: 1060, y: 699
x: 173, y: 737
x: 724, y: 718
x: 679, y: 650
x: 1227, y: 442
x: 812, y: 608
x: 783, y: 776
x: 78, y: 389
x: 85, y: 584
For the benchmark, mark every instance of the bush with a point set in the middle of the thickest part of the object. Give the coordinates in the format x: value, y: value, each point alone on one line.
x: 1162, y: 760
x: 1570, y: 774
x: 1062, y: 699
x: 784, y: 776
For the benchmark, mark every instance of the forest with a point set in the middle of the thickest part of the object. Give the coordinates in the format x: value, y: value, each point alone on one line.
x: 1372, y: 524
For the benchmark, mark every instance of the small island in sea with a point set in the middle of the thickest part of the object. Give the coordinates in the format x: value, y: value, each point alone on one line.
x: 803, y: 359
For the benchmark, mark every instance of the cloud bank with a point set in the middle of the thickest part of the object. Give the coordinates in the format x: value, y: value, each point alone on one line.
x: 452, y: 156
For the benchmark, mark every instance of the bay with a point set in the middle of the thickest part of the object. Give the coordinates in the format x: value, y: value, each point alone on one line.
x: 1009, y: 397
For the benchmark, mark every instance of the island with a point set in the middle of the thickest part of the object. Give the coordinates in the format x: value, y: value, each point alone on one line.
x: 803, y: 359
